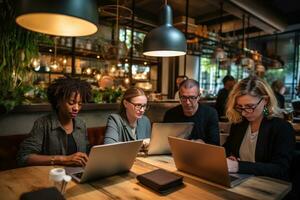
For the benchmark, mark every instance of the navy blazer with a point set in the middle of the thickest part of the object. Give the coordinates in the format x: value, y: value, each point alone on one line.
x: 274, y: 148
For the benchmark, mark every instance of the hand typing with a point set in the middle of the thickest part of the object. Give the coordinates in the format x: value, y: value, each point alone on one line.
x: 199, y: 140
x: 232, y: 164
x: 77, y: 158
x: 146, y: 143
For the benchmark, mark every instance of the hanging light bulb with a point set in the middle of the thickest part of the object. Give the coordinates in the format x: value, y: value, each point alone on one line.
x: 113, y: 69
x: 64, y: 61
x: 246, y: 62
x: 35, y: 62
x: 219, y: 53
x: 126, y: 80
x: 88, y: 71
x: 165, y: 40
x: 54, y: 65
x: 98, y: 76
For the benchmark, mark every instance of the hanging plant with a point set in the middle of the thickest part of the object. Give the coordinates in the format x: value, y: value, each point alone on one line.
x: 18, y: 46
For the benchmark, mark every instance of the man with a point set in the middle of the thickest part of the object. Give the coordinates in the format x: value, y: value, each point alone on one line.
x: 228, y: 82
x: 205, y: 118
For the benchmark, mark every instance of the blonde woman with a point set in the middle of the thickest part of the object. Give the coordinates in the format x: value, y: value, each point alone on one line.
x: 130, y: 123
x: 259, y: 143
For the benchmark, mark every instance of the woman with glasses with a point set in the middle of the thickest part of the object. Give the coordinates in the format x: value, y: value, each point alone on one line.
x: 130, y: 123
x: 259, y: 143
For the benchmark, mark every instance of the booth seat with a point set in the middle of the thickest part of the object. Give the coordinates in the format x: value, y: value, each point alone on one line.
x: 9, y: 145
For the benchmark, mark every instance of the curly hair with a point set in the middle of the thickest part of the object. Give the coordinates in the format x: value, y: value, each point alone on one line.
x: 61, y: 89
x: 253, y: 86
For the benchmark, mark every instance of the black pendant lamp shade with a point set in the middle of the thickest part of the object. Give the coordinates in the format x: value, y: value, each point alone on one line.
x: 165, y: 40
x: 58, y: 17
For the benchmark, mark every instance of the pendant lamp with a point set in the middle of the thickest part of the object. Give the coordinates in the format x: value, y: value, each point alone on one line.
x: 246, y: 62
x: 165, y: 40
x: 60, y: 18
x: 219, y: 53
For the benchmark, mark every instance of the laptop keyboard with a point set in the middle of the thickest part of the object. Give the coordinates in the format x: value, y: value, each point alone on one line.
x: 232, y: 178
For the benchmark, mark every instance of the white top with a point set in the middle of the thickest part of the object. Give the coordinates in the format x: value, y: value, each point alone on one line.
x: 133, y: 132
x: 248, y: 146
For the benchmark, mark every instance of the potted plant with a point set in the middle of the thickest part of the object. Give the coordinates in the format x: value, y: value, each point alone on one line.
x: 18, y: 46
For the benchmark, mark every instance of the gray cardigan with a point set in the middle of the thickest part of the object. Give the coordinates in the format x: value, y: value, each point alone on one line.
x: 118, y: 129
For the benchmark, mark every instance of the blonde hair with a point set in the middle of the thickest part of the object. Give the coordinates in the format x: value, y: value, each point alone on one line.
x: 253, y: 86
x: 129, y: 94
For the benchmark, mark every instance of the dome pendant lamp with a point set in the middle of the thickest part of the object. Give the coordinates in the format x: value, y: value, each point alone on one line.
x: 165, y: 40
x: 71, y: 18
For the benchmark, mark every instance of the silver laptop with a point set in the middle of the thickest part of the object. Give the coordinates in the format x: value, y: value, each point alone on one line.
x: 159, y: 136
x: 204, y: 160
x: 106, y: 160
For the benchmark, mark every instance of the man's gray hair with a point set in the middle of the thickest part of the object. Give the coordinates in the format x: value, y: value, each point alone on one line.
x: 189, y: 83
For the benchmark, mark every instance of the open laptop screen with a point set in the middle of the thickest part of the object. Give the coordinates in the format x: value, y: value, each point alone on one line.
x: 159, y: 137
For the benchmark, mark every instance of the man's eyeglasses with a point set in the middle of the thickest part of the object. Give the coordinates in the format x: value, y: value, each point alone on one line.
x: 249, y: 109
x: 190, y: 98
x: 139, y: 107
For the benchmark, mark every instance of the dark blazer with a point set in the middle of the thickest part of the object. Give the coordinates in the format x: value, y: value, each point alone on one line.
x: 274, y: 148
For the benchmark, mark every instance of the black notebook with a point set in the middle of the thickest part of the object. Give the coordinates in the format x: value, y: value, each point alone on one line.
x: 45, y: 194
x: 160, y: 180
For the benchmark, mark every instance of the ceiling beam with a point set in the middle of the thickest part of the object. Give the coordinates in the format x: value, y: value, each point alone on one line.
x: 261, y: 12
x: 269, y: 23
x: 227, y: 26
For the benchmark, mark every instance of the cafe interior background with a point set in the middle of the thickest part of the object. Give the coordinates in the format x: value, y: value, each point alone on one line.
x: 223, y: 37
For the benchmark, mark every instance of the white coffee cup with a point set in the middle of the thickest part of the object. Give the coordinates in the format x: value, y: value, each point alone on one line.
x: 59, y: 178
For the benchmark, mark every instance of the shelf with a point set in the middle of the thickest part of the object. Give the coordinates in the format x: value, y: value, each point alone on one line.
x: 90, y: 54
x: 206, y: 46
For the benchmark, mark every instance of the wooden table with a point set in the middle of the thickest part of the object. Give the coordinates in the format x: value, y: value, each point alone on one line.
x: 125, y: 186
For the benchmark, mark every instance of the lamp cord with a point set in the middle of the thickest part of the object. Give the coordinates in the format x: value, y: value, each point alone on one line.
x: 117, y: 29
x: 55, y: 49
x: 221, y: 16
x: 243, y: 42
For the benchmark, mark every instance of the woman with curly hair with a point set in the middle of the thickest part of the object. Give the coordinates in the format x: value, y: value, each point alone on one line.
x: 259, y: 142
x: 59, y: 138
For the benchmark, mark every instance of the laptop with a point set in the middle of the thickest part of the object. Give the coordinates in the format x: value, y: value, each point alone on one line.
x: 106, y: 160
x: 159, y: 136
x: 204, y: 160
